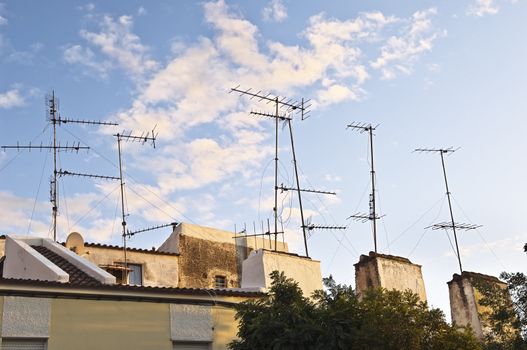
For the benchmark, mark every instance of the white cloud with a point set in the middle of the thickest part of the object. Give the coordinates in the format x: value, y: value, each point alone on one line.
x: 236, y: 36
x: 400, y: 52
x: 275, y: 10
x: 433, y: 67
x: 16, y: 212
x: 10, y: 99
x: 337, y: 93
x: 142, y: 11
x: 118, y: 45
x: 483, y: 7
x: 3, y: 20
x: 76, y: 54
x: 191, y: 90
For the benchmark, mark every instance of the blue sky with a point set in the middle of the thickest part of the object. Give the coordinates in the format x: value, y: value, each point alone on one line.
x: 430, y: 74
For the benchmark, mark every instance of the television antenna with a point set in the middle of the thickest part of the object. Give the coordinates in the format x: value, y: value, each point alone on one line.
x: 289, y: 108
x: 54, y: 117
x: 372, y: 216
x: 452, y: 225
x: 129, y: 137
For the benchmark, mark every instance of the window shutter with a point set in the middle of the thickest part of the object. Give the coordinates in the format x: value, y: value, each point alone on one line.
x: 23, y: 344
x: 191, y: 346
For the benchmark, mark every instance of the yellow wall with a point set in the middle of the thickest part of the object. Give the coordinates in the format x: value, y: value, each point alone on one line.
x: 225, y: 327
x: 81, y: 324
x: 100, y: 324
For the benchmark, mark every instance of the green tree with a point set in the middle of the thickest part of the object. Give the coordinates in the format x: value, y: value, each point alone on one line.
x: 337, y: 319
x: 504, y: 312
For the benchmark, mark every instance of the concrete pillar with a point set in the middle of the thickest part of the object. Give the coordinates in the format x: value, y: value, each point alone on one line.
x: 390, y: 272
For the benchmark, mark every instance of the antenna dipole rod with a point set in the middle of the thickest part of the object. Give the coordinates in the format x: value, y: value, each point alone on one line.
x: 123, y: 223
x: 450, y: 209
x: 298, y: 187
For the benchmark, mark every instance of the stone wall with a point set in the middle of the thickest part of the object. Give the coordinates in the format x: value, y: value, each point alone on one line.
x: 201, y: 260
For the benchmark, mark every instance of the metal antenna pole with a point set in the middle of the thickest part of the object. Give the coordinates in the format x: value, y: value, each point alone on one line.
x: 56, y: 119
x: 451, y: 213
x: 54, y: 187
x: 132, y: 138
x: 374, y: 216
x: 452, y: 224
x: 276, y: 175
x: 298, y: 187
x: 123, y: 223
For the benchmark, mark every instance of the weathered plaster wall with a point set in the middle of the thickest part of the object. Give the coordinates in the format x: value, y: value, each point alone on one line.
x: 201, y: 260
x: 24, y: 317
x: 463, y: 307
x: 158, y: 269
x: 261, y: 263
x: 390, y: 272
x: 464, y: 300
x: 221, y: 236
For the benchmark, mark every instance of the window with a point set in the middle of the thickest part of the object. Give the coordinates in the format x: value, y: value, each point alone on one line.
x: 220, y: 282
x: 24, y: 344
x: 178, y: 345
x: 135, y: 274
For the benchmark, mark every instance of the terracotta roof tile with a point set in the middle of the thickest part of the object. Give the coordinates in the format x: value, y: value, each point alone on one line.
x: 77, y: 276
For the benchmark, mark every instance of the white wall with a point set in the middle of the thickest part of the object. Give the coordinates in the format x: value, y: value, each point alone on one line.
x: 260, y: 263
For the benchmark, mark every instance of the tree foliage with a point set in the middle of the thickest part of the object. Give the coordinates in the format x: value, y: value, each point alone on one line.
x: 505, y: 312
x: 338, y: 319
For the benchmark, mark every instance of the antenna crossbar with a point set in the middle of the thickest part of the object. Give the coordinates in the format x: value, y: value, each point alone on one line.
x: 457, y: 225
x: 70, y: 173
x: 364, y: 217
x: 131, y: 233
x: 143, y: 138
x: 259, y: 234
x: 283, y: 102
x: 82, y: 121
x: 283, y: 189
x: 436, y: 150
x: 361, y: 127
x: 41, y: 147
x: 319, y: 227
x: 269, y: 115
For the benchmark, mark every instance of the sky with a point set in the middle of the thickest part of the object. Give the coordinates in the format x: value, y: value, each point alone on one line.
x: 429, y: 74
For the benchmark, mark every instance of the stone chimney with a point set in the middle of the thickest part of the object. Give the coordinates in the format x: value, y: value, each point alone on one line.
x: 390, y: 272
x: 465, y: 300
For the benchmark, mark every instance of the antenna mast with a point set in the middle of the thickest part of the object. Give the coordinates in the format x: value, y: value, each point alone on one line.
x: 452, y: 224
x: 372, y: 216
x: 288, y: 105
x: 291, y: 107
x: 55, y: 119
x: 132, y: 138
